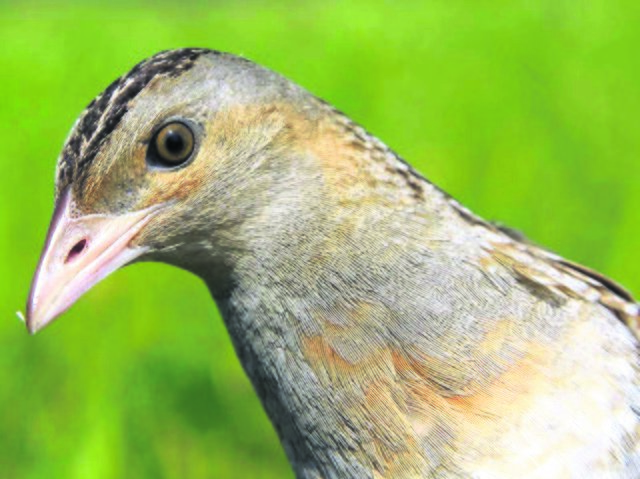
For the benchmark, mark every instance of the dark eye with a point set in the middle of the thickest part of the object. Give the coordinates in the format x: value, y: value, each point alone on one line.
x: 173, y: 144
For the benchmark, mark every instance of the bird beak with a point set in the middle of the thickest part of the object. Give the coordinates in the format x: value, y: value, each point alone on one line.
x: 78, y: 253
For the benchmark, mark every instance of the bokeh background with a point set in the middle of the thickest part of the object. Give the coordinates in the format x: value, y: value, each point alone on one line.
x: 527, y: 111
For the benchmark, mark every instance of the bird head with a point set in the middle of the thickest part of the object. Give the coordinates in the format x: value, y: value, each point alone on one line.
x: 169, y: 164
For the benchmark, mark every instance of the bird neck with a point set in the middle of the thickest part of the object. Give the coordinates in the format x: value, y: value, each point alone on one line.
x: 315, y: 311
x: 349, y: 298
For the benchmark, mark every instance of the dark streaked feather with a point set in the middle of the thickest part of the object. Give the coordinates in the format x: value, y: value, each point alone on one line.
x: 104, y: 113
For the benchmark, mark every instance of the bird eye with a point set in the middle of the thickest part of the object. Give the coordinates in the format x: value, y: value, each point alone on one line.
x: 173, y: 144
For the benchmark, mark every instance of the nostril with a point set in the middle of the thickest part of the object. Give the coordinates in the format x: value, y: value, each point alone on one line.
x: 77, y: 249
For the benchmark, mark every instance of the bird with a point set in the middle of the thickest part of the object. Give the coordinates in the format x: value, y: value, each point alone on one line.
x: 389, y: 331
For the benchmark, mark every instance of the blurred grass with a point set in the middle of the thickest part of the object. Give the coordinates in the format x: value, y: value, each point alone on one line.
x: 527, y: 111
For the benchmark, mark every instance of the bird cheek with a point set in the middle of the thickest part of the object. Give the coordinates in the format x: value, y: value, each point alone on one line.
x: 78, y: 253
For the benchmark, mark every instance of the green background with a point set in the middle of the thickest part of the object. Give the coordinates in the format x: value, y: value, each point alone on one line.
x: 526, y: 111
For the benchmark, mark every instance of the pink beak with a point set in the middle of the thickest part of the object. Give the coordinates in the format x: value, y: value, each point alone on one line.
x: 78, y: 253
